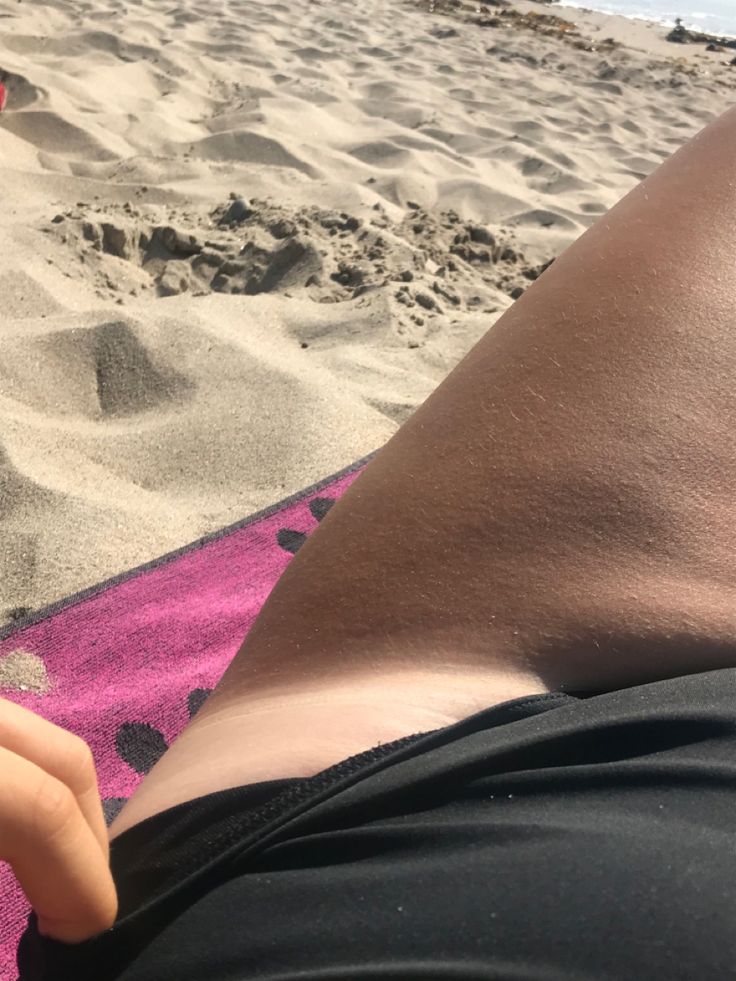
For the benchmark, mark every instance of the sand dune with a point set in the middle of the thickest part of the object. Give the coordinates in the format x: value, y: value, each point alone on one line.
x: 242, y: 241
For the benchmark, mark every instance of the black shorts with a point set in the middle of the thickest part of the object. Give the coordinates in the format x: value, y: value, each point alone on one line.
x: 550, y: 837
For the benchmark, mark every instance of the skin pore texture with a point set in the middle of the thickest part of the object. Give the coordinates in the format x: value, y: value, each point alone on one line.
x: 556, y: 516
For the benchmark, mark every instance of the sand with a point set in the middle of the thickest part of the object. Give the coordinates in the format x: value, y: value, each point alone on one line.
x: 243, y: 240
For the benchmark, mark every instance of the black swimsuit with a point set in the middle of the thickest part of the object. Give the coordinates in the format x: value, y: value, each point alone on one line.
x: 548, y: 838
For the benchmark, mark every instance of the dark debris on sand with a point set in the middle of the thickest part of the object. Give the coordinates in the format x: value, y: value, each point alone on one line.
x: 684, y: 35
x: 430, y: 262
x: 502, y: 15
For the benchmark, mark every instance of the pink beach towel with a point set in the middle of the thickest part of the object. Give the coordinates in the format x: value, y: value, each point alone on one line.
x: 127, y: 663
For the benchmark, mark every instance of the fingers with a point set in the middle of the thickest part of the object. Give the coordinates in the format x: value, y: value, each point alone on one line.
x: 52, y: 828
x: 61, y: 754
x: 54, y: 852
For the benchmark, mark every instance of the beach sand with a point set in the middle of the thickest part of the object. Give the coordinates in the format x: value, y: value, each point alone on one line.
x: 242, y: 240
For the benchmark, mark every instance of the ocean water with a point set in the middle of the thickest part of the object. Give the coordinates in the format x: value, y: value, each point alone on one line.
x: 711, y: 16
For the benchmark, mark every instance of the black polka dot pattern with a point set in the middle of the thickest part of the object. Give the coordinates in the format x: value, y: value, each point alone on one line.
x: 196, y: 700
x: 291, y: 540
x: 111, y: 807
x: 140, y: 745
x: 319, y: 506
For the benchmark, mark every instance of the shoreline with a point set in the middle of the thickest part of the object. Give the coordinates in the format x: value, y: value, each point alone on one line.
x: 641, y: 34
x: 654, y: 23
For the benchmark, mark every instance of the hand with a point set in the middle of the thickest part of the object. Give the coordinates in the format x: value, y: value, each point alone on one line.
x: 52, y: 829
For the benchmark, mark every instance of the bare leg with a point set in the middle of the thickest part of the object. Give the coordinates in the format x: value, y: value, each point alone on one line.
x: 558, y: 515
